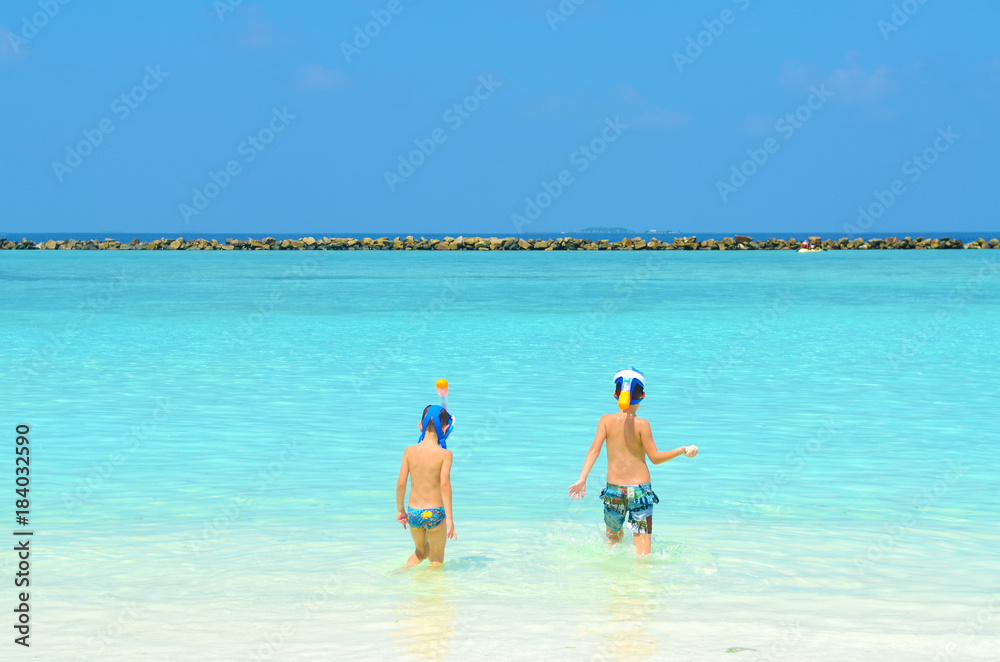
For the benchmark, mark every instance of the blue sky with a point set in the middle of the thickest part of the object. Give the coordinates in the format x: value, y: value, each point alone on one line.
x: 202, y: 117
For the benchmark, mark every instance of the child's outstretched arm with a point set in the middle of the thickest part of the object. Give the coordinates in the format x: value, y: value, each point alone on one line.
x: 404, y: 472
x: 659, y: 457
x: 579, y: 488
x: 446, y: 494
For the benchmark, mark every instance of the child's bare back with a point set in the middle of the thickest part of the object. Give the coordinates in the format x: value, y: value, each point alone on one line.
x: 628, y: 497
x: 424, y: 463
x: 428, y: 466
x: 624, y: 434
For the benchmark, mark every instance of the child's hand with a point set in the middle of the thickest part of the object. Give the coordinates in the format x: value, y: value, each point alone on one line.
x: 690, y: 451
x: 578, y: 489
x: 451, y: 528
x: 401, y: 518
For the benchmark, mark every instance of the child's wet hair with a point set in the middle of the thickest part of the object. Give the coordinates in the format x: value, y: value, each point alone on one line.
x: 637, y: 391
x: 444, y: 417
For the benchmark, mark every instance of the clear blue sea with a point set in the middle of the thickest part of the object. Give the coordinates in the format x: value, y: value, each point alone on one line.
x: 216, y: 439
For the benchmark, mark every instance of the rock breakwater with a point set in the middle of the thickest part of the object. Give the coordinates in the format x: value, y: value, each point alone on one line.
x: 735, y: 243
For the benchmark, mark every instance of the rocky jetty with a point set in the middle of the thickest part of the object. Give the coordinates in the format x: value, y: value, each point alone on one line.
x: 410, y: 243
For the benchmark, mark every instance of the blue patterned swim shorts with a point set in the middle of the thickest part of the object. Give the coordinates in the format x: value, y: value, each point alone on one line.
x: 425, y: 518
x: 631, y: 505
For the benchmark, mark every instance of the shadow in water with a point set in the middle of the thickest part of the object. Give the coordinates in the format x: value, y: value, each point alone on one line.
x: 425, y: 616
x: 632, y: 598
x: 639, y: 596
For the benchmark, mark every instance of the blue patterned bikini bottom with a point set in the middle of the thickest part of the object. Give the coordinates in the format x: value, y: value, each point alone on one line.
x: 425, y: 518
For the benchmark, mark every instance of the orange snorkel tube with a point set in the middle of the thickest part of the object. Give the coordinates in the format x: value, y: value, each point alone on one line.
x: 442, y: 389
x: 430, y: 418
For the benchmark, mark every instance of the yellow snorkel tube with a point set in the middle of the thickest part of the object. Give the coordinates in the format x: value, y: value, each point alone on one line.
x: 625, y: 381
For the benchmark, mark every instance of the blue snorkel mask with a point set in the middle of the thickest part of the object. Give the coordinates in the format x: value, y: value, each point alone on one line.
x: 432, y: 417
x: 626, y: 382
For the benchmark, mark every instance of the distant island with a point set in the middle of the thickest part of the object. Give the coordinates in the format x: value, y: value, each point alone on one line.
x: 601, y: 230
x: 619, y: 231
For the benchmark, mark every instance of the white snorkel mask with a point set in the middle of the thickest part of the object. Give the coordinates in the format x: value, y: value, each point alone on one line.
x: 625, y: 383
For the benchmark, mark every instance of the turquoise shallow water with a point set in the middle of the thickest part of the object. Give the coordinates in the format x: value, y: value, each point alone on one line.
x: 216, y: 439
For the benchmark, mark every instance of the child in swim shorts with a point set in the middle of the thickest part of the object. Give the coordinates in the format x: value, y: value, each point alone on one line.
x: 628, y: 497
x: 427, y: 464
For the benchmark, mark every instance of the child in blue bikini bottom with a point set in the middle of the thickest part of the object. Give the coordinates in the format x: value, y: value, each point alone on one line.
x: 425, y: 518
